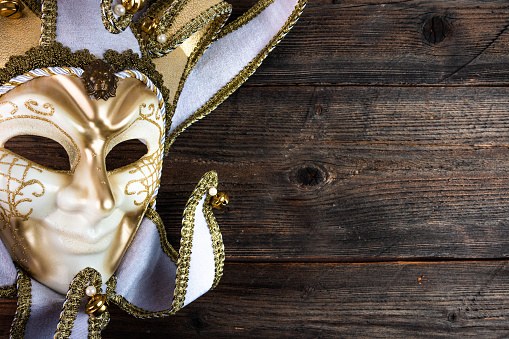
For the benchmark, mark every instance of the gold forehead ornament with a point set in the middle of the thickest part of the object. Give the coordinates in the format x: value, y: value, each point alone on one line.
x: 100, y: 80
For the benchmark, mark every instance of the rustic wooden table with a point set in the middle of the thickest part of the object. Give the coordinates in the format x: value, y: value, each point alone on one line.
x: 367, y: 164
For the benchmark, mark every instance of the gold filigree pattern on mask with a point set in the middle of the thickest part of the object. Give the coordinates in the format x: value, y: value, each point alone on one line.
x: 149, y: 166
x: 17, y: 191
x: 14, y: 107
x: 14, y: 193
x: 30, y: 103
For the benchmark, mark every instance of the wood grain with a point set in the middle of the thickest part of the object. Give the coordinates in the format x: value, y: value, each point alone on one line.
x: 428, y: 300
x: 384, y: 43
x: 367, y: 165
x: 399, y: 173
x: 378, y: 300
x: 312, y: 300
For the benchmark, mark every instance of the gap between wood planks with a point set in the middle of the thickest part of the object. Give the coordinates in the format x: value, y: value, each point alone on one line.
x: 325, y: 261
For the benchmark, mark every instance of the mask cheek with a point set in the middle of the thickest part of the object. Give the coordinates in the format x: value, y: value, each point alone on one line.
x: 44, y: 203
x: 137, y: 184
x: 27, y: 195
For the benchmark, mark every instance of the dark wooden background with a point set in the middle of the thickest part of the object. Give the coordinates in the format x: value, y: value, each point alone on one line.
x: 367, y: 164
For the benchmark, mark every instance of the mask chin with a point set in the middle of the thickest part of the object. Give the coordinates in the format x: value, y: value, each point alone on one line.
x: 55, y: 223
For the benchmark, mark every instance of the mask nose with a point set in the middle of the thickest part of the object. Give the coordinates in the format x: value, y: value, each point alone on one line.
x: 89, y: 192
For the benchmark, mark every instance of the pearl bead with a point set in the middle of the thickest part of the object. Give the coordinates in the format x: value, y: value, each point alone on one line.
x: 212, y: 191
x: 161, y: 38
x: 90, y: 291
x: 119, y: 10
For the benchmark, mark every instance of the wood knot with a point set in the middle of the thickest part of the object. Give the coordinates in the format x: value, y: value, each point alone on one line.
x: 453, y: 316
x: 436, y: 29
x: 310, y: 176
x: 196, y: 322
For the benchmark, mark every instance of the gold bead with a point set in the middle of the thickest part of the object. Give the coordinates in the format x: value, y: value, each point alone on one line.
x: 97, y: 305
x: 11, y: 9
x: 220, y: 200
x: 133, y: 6
x: 149, y: 25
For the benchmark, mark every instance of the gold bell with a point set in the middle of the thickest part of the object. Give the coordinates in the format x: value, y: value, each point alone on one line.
x: 220, y: 200
x: 97, y: 305
x: 149, y: 25
x: 11, y: 9
x: 133, y: 6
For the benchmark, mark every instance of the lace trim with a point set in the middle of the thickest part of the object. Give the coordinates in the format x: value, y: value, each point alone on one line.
x: 243, y: 75
x: 55, y: 55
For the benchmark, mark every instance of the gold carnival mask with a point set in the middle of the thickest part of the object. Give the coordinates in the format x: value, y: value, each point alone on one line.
x: 91, y: 75
x: 56, y: 223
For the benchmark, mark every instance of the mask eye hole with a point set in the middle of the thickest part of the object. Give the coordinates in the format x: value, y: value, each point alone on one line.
x: 40, y: 150
x: 125, y: 153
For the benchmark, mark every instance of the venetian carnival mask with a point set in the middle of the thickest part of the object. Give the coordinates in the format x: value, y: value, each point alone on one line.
x: 58, y: 223
x: 127, y: 70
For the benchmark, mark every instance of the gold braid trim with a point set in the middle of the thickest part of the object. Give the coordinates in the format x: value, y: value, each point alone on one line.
x: 202, y: 45
x: 122, y: 302
x: 24, y: 303
x: 243, y: 75
x: 217, y: 238
x: 244, y: 18
x: 112, y: 24
x: 34, y: 6
x: 216, y: 12
x: 165, y: 245
x: 184, y: 256
x: 186, y: 241
x: 49, y: 22
x: 169, y: 15
x: 85, y: 277
x: 8, y: 291
x: 97, y: 324
x: 156, y: 7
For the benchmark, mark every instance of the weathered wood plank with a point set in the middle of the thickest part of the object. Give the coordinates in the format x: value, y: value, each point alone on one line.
x: 387, y: 42
x: 369, y: 177
x: 451, y: 299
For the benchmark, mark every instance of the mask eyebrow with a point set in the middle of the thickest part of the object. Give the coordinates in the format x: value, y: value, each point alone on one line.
x: 68, y: 92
